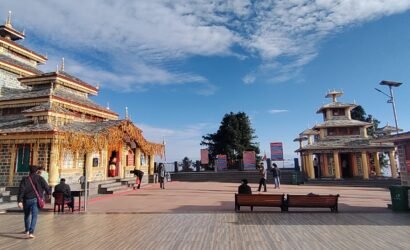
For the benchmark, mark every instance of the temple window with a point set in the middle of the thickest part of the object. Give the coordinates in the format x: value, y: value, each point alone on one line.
x: 68, y: 160
x: 23, y: 158
x: 342, y: 131
x: 338, y: 112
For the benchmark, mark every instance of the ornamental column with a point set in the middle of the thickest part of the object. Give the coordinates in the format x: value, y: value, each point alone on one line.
x: 310, y: 166
x: 365, y: 166
x: 393, y: 166
x: 377, y: 164
x: 337, y: 164
x: 325, y: 165
x: 13, y: 150
x: 151, y: 164
x: 137, y: 158
x: 354, y: 165
x: 53, y: 167
x: 89, y: 166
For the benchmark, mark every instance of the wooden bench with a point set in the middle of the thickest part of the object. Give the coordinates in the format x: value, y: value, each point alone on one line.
x: 312, y: 200
x: 259, y: 200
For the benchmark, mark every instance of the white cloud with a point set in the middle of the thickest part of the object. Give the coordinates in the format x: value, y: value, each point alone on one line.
x: 179, y: 142
x: 277, y: 111
x: 145, y: 40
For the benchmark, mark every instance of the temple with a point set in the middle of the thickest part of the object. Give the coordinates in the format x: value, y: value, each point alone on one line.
x: 340, y: 147
x: 48, y: 119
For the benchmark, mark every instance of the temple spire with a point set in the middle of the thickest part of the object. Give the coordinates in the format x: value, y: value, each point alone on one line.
x: 8, y: 21
x: 334, y: 94
x: 62, y: 65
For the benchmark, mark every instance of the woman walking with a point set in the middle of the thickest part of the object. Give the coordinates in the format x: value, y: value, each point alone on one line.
x: 30, y: 200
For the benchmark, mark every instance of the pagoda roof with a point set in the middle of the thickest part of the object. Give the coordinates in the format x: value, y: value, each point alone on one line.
x: 20, y: 49
x: 395, y: 138
x: 47, y: 107
x: 335, y: 105
x: 309, y: 131
x: 388, y: 129
x: 69, y: 80
x: 13, y: 33
x: 302, y: 138
x: 346, y: 144
x: 342, y: 123
x: 25, y: 94
x: 73, y: 98
x: 10, y: 61
x: 21, y: 124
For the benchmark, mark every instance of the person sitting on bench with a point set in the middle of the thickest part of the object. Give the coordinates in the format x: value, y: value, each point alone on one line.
x: 244, y: 188
x: 66, y: 191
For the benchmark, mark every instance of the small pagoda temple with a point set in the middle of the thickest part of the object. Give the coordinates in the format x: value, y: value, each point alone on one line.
x: 340, y: 146
x: 49, y: 120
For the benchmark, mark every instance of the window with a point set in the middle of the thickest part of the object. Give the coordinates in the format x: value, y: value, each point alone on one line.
x: 341, y: 131
x: 338, y: 112
x: 23, y: 158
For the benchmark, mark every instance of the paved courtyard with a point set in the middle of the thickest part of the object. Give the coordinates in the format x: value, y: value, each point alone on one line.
x: 201, y: 216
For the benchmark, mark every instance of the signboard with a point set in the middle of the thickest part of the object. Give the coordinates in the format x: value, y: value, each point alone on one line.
x: 276, y: 151
x: 204, y: 156
x: 249, y: 160
x: 221, y: 162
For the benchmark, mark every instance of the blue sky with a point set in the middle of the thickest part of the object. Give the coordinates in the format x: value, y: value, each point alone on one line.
x: 179, y: 65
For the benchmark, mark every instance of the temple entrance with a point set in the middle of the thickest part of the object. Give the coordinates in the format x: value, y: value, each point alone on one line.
x: 113, y: 164
x: 346, y: 165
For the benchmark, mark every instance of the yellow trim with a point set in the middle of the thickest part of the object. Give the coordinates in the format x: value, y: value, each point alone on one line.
x: 22, y: 51
x: 16, y: 70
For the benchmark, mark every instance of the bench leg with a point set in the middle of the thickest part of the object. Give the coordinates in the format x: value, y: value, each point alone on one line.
x: 251, y: 208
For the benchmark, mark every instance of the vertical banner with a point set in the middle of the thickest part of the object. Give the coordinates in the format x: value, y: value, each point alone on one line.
x: 221, y: 162
x: 204, y: 156
x: 276, y: 151
x: 249, y: 160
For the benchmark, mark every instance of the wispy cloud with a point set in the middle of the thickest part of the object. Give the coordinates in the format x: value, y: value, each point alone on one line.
x: 277, y: 111
x: 144, y: 40
x: 186, y: 138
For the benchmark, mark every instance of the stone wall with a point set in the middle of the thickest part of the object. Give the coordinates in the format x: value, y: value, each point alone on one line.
x: 44, y: 155
x: 5, y: 160
x: 8, y: 80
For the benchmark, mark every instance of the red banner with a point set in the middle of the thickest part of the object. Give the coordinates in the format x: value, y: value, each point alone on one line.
x: 249, y: 160
x: 204, y: 156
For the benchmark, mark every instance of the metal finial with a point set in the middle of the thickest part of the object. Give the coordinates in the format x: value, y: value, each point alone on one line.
x: 8, y: 21
x: 62, y: 65
x: 97, y: 86
x: 57, y: 69
x: 108, y: 105
x: 126, y: 113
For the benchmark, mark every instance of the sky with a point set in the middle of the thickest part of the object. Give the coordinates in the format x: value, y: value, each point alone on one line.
x: 180, y: 65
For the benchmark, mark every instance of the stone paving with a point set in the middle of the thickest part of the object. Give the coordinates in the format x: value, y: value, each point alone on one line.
x: 201, y: 216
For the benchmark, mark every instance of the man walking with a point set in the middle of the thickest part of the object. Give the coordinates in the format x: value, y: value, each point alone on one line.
x: 262, y: 181
x: 30, y: 200
x: 276, y: 175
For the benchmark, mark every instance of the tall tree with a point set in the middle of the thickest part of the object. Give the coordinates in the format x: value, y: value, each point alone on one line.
x: 235, y: 135
x: 359, y: 113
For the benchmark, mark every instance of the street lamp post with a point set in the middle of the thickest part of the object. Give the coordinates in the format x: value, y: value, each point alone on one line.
x: 391, y: 98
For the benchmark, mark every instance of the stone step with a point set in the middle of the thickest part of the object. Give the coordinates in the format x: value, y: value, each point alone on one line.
x: 108, y: 185
x: 7, y: 205
x: 113, y: 190
x: 4, y: 193
x: 11, y: 198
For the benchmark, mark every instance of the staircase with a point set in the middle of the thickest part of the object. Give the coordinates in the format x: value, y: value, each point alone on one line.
x: 115, y: 185
x: 7, y: 199
x: 230, y: 176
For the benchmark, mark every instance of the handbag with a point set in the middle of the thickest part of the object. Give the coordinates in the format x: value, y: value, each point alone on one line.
x: 40, y: 200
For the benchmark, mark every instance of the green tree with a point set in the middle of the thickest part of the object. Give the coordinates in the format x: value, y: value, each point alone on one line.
x: 186, y: 164
x: 235, y: 135
x: 359, y: 113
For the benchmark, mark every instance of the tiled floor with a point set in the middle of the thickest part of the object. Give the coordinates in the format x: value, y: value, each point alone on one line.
x: 201, y: 216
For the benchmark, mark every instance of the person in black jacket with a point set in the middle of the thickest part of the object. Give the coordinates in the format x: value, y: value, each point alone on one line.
x: 276, y: 175
x: 64, y: 189
x: 244, y: 188
x: 27, y: 198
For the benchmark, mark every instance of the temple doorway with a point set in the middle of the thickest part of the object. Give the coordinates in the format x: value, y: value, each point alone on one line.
x: 113, y: 164
x: 346, y: 165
